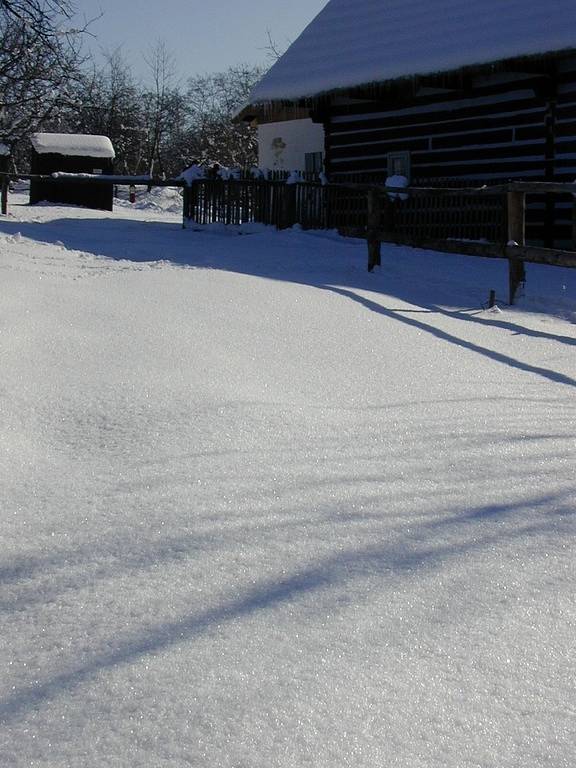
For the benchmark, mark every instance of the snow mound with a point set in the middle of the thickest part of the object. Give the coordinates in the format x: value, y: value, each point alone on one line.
x: 166, y: 199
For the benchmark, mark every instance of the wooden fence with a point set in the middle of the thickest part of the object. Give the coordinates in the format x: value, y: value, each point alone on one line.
x: 381, y: 227
x: 342, y: 207
x: 487, y: 221
x: 313, y: 205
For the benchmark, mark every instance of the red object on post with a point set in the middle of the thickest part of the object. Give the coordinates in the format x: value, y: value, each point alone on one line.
x: 132, y: 193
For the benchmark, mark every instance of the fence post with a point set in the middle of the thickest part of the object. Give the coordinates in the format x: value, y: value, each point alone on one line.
x: 5, y: 186
x: 516, y: 202
x: 372, y: 231
x: 185, y: 205
x: 288, y: 205
x: 389, y: 223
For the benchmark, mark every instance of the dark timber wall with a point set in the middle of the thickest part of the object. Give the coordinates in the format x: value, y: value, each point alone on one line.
x: 99, y: 196
x: 493, y: 126
x: 565, y: 147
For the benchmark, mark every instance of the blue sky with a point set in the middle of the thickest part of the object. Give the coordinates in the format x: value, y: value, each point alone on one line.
x: 203, y: 35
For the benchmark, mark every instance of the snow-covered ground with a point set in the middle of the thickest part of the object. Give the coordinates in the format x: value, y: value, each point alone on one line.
x: 260, y: 508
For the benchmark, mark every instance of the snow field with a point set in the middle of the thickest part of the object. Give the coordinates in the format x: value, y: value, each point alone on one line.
x: 260, y: 508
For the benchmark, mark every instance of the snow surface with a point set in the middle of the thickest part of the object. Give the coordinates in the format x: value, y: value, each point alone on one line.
x: 263, y: 509
x: 162, y: 199
x: 366, y: 41
x: 74, y: 144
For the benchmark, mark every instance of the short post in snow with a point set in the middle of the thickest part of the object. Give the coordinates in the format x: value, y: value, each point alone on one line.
x: 516, y: 235
x: 132, y: 193
x: 288, y: 205
x: 372, y: 231
x: 5, y: 187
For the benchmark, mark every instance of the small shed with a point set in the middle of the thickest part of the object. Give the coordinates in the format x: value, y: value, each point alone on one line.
x: 72, y: 153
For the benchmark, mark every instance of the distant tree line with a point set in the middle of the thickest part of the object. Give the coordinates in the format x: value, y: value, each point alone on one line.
x: 158, y: 126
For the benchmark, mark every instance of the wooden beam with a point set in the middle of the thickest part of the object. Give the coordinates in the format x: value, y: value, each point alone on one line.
x: 88, y: 178
x: 5, y: 188
x: 530, y: 254
x: 374, y: 242
x: 516, y: 205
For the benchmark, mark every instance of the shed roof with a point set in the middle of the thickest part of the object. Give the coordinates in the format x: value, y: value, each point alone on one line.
x: 75, y: 144
x: 357, y: 42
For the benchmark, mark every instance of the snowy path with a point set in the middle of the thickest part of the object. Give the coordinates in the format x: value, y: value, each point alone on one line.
x: 262, y: 509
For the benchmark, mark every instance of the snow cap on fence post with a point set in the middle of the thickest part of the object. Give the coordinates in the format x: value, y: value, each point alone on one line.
x: 295, y: 177
x: 398, y: 182
x: 193, y: 173
x: 228, y: 173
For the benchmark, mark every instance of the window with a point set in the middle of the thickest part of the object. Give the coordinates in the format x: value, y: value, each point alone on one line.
x: 399, y: 164
x: 313, y: 162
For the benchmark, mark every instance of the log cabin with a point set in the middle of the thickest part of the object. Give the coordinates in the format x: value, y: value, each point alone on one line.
x: 440, y: 91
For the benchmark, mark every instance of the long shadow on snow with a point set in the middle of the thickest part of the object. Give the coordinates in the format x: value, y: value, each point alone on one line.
x: 415, y: 554
x: 546, y: 373
x: 116, y: 239
x: 411, y: 556
x: 119, y: 239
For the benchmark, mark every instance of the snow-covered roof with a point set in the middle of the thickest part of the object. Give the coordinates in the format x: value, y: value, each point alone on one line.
x: 356, y: 42
x: 72, y: 144
x: 4, y: 150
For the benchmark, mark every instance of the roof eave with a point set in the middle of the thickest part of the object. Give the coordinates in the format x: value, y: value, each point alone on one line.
x: 315, y: 101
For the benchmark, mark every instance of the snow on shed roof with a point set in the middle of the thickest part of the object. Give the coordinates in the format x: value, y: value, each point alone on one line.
x: 76, y: 144
x: 356, y: 42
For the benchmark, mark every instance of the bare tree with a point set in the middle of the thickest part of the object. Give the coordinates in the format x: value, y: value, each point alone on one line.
x: 39, y: 59
x: 213, y: 101
x: 158, y: 100
x: 107, y: 101
x: 274, y: 51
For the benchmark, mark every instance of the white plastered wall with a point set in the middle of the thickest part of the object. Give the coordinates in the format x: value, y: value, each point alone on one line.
x: 282, y: 146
